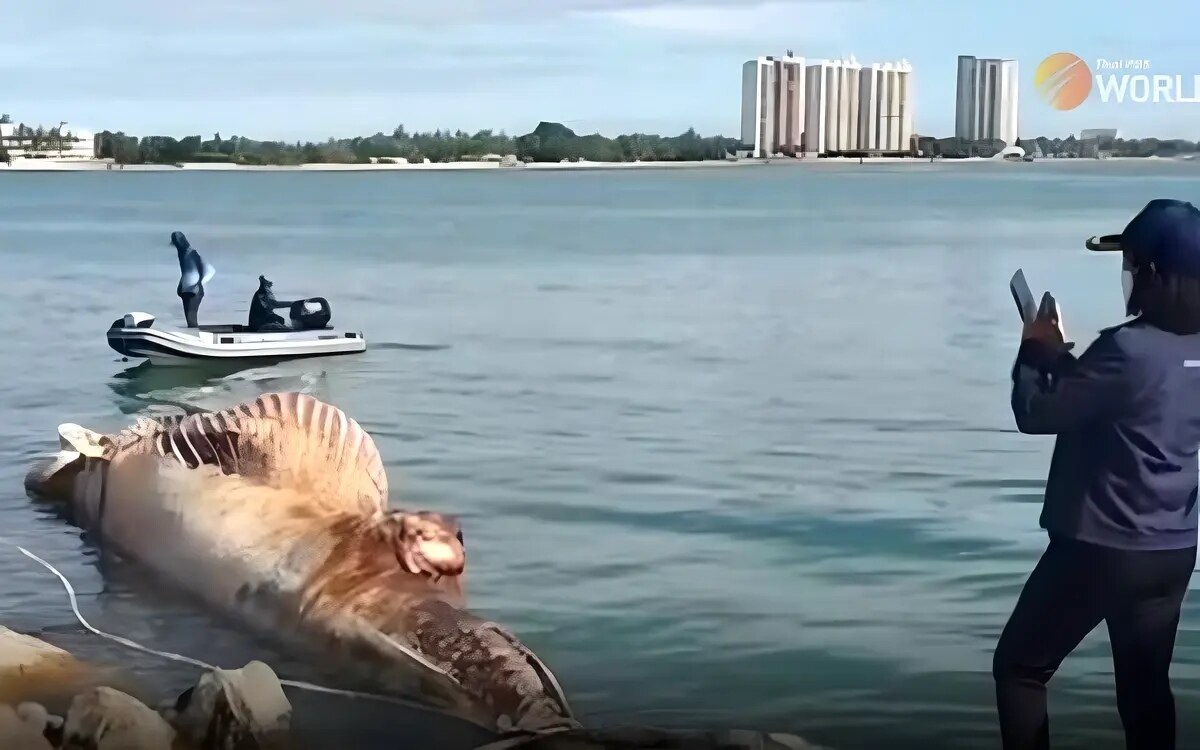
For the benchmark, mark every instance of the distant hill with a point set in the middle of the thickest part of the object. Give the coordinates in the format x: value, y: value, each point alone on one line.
x: 546, y: 130
x: 553, y: 141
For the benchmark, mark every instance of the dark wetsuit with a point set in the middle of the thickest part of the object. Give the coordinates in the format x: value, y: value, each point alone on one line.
x: 194, y: 273
x: 262, y: 309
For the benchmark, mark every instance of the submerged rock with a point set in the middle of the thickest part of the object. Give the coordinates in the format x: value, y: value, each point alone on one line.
x: 31, y: 669
x: 234, y: 709
x: 637, y: 738
x: 107, y: 719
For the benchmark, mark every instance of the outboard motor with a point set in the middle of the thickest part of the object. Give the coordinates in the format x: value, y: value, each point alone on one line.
x: 134, y: 320
x: 305, y: 320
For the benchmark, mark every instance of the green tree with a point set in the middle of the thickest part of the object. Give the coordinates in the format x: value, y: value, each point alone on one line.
x: 119, y: 147
x: 549, y: 141
x: 187, y: 148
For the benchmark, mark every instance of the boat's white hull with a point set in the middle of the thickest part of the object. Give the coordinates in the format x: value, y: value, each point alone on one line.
x: 189, y: 346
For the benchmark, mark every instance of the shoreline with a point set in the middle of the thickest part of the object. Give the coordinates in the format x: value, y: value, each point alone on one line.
x: 104, y: 165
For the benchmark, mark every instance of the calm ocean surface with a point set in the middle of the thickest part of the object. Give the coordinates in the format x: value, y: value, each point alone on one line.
x: 731, y: 447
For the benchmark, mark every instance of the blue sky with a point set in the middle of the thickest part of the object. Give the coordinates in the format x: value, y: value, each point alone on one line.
x: 309, y: 69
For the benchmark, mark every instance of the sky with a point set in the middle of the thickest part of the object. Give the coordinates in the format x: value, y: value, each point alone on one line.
x: 309, y: 69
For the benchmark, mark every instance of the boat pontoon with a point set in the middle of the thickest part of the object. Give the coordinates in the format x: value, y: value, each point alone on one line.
x: 135, y: 335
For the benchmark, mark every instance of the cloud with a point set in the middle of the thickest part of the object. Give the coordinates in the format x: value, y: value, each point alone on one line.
x: 293, y: 66
x: 677, y: 18
x: 747, y: 20
x: 491, y: 11
x: 264, y: 16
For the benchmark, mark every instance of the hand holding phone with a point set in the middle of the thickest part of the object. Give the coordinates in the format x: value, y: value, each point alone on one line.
x: 1041, y: 321
x: 1048, y: 308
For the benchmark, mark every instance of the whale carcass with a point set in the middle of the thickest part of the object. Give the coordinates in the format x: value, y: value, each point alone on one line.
x: 275, y: 512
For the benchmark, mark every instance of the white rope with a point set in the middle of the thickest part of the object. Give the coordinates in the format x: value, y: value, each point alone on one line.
x: 298, y: 684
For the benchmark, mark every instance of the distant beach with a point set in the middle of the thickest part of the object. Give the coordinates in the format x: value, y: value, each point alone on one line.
x: 46, y: 165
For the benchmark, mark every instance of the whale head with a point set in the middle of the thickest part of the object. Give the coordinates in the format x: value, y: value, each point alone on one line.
x: 56, y: 477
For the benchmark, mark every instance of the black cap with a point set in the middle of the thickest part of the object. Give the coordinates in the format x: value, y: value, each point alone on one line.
x: 1166, y: 232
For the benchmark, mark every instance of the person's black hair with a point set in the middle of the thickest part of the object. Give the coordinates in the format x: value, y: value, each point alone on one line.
x: 1167, y: 301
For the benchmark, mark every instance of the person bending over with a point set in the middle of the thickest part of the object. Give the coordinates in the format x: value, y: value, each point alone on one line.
x: 263, y: 306
x: 194, y: 273
x: 1120, y: 499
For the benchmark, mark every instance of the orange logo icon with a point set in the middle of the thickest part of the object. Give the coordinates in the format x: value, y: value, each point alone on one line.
x: 1064, y: 80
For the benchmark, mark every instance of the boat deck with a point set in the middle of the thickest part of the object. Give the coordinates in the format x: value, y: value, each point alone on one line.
x: 236, y: 328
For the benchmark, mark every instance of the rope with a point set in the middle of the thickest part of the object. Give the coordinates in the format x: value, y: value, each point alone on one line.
x: 297, y: 684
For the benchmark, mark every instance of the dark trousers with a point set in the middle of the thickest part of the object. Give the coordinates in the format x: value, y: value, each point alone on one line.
x: 191, y: 305
x: 1074, y: 586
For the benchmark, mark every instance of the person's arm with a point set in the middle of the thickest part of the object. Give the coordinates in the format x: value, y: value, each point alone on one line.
x: 1053, y: 391
x: 207, y: 271
x: 280, y: 304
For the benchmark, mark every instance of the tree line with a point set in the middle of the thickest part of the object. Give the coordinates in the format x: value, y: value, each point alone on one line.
x: 548, y: 142
x: 1069, y: 147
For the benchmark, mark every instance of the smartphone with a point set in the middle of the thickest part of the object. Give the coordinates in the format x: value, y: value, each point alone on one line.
x: 1026, y: 307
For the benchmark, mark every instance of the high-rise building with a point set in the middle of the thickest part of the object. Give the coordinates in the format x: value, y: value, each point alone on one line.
x: 987, y: 99
x: 773, y: 105
x: 827, y: 107
x: 885, y: 119
x: 832, y: 106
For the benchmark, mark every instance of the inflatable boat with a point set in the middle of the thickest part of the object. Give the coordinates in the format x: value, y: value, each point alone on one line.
x: 135, y: 335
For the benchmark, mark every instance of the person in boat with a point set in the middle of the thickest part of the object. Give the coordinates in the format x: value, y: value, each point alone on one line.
x: 263, y: 306
x: 1120, y: 501
x: 194, y: 273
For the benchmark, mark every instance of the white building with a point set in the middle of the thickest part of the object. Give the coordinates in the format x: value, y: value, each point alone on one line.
x: 773, y: 105
x: 832, y: 106
x: 75, y: 144
x: 885, y: 114
x: 826, y: 107
x: 987, y: 99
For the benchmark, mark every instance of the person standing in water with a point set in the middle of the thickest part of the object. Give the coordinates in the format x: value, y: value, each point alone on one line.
x: 1120, y: 500
x: 194, y: 273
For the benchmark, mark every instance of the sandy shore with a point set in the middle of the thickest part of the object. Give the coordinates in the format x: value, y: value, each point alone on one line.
x: 48, y: 165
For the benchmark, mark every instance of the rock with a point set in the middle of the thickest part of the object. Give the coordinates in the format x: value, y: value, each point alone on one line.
x: 235, y: 709
x: 36, y: 716
x: 31, y: 669
x: 18, y: 734
x: 107, y: 719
